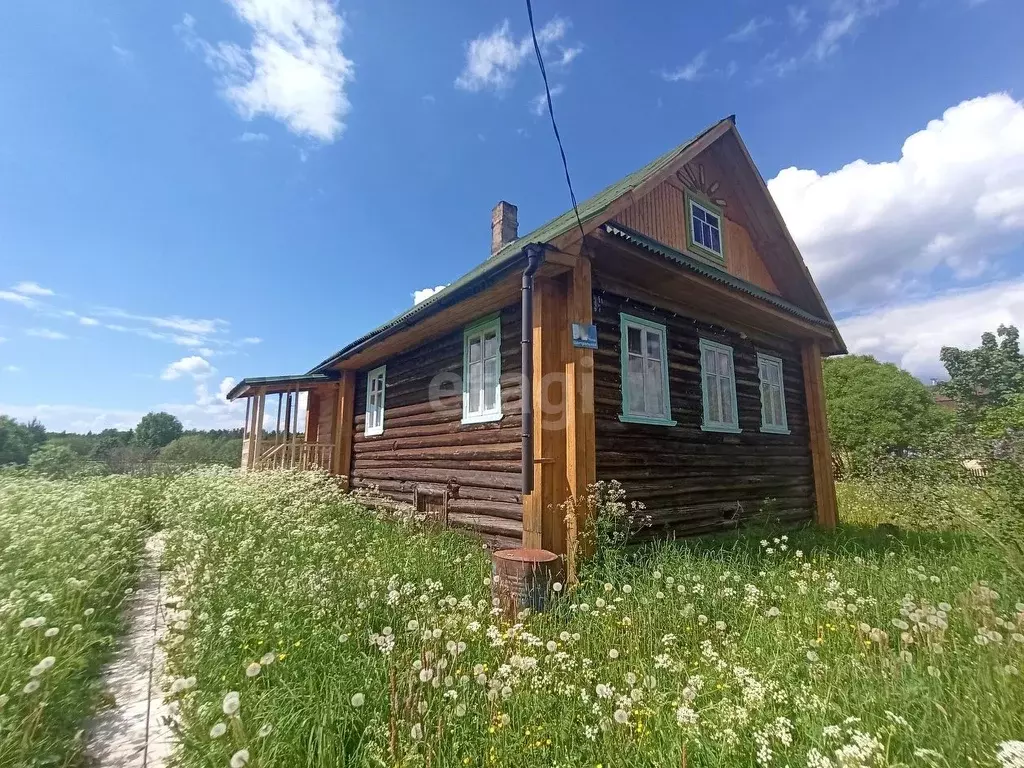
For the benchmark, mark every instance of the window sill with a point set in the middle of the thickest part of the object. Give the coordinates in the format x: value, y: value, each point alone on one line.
x: 482, y: 419
x: 728, y: 428
x: 648, y: 420
x: 373, y: 432
x: 776, y: 431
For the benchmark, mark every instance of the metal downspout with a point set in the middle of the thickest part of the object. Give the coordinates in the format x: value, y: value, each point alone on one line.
x: 534, y: 256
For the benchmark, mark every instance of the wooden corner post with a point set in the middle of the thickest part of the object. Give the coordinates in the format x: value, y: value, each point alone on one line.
x: 825, y: 505
x: 581, y: 469
x: 344, y: 426
x: 564, y: 460
x: 543, y: 525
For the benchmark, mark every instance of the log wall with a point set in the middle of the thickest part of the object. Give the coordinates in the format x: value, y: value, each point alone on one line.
x: 693, y: 481
x: 425, y: 444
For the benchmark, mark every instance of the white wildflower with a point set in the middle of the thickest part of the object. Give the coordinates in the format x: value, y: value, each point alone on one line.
x: 218, y: 730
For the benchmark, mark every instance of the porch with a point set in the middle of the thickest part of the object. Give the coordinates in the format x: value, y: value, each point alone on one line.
x: 300, y: 435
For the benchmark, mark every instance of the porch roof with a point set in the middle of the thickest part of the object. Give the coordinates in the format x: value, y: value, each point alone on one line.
x: 275, y: 384
x: 711, y: 272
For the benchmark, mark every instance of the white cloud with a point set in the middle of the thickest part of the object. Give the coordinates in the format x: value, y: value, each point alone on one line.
x: 29, y: 288
x: 123, y: 54
x: 690, y: 72
x: 188, y: 325
x: 293, y: 70
x: 252, y: 340
x: 193, y: 365
x: 749, y: 30
x: 798, y: 17
x: 17, y: 298
x: 88, y: 321
x: 425, y: 293
x: 12, y: 368
x: 539, y: 103
x: 954, y: 198
x: 3, y: 339
x: 74, y: 418
x: 492, y: 59
x: 912, y: 334
x: 846, y: 19
x: 46, y: 333
x: 249, y: 137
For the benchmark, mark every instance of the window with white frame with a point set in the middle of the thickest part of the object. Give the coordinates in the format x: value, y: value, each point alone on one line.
x: 375, y: 380
x: 773, y: 395
x: 718, y: 382
x: 645, y: 396
x: 481, y: 374
x: 705, y: 228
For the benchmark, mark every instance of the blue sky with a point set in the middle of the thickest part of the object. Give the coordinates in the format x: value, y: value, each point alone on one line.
x: 192, y: 192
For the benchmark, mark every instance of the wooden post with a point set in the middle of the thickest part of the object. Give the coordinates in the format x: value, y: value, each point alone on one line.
x: 825, y: 505
x: 543, y: 518
x: 261, y: 401
x: 312, y: 416
x: 246, y: 434
x: 344, y: 425
x: 581, y: 468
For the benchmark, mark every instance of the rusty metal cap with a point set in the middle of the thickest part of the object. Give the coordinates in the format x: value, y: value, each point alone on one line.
x: 525, y: 555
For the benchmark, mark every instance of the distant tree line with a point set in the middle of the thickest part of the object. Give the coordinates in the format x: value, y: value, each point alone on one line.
x: 158, y: 440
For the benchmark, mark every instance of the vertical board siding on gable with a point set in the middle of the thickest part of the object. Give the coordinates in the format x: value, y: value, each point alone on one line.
x: 693, y: 481
x: 425, y: 444
x: 660, y: 214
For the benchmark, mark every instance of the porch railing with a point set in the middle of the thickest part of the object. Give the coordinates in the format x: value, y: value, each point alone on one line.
x: 302, y: 456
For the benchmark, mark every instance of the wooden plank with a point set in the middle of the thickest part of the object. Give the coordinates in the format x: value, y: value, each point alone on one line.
x: 826, y: 507
x: 341, y: 463
x: 258, y: 424
x: 581, y: 458
x: 543, y: 524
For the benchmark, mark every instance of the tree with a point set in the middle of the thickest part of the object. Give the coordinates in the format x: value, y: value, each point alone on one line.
x: 55, y: 461
x: 877, y: 409
x: 203, y: 448
x: 986, y: 376
x: 17, y: 441
x: 155, y: 430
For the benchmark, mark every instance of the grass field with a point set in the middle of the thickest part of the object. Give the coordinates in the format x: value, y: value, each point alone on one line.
x: 307, y: 632
x: 352, y: 641
x: 68, y: 554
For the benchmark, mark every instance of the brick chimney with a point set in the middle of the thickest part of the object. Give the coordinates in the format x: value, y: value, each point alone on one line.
x: 504, y: 225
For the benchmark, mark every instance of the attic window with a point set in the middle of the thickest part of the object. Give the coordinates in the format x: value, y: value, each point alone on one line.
x: 704, y: 229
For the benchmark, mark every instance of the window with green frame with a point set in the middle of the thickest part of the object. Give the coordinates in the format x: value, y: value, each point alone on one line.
x: 705, y: 228
x: 773, y: 394
x: 644, y: 359
x: 718, y: 385
x: 481, y: 371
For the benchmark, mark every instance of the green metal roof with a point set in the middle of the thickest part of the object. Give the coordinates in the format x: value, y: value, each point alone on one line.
x: 263, y: 381
x: 710, y: 272
x: 512, y: 254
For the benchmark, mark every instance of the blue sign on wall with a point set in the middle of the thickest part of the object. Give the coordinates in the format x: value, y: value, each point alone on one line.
x: 584, y: 335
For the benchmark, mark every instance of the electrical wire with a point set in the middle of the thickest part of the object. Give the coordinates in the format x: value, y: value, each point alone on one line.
x: 554, y: 125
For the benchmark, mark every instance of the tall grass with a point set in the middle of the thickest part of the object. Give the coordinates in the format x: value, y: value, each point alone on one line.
x: 68, y: 556
x: 307, y: 631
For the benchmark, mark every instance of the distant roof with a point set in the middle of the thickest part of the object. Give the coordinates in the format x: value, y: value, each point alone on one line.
x: 513, y: 252
x: 279, y: 383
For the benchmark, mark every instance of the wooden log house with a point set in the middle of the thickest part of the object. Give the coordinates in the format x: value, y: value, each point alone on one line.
x: 703, y: 396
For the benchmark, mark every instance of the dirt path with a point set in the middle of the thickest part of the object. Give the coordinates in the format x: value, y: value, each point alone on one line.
x: 134, y: 732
